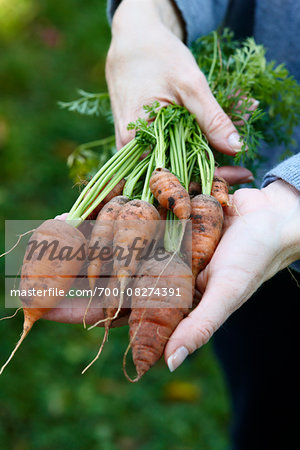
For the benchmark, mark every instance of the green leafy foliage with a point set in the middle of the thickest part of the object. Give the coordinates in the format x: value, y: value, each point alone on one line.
x: 238, y: 72
x: 89, y: 104
x: 85, y: 160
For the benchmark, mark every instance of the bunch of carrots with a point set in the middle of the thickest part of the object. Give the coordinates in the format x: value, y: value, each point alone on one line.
x: 165, y: 175
x: 129, y: 197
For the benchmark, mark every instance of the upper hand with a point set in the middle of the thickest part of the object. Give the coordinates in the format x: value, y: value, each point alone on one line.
x: 147, y: 61
x: 261, y: 237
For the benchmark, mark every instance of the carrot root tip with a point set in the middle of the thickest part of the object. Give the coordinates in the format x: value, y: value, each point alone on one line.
x: 25, y: 332
x: 99, y: 351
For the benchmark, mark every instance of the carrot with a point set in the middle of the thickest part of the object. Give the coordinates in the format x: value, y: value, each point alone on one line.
x: 135, y: 228
x: 194, y: 188
x: 219, y: 190
x: 47, y: 272
x: 207, y: 222
x: 169, y: 192
x: 136, y: 225
x: 116, y: 191
x: 150, y: 326
x: 103, y: 234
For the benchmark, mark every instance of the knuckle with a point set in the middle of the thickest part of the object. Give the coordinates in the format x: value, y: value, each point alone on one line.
x: 190, y: 81
x: 218, y: 121
x: 201, y: 334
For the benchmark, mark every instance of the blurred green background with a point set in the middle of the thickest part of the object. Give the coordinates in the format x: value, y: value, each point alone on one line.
x: 48, y: 50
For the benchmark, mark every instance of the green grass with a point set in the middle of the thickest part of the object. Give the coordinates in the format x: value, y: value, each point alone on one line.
x: 45, y: 402
x: 49, y: 49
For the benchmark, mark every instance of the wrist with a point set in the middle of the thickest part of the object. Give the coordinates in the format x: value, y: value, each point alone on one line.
x: 285, y: 199
x: 132, y: 14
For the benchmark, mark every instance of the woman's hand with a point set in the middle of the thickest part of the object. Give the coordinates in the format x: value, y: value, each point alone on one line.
x: 261, y: 237
x: 148, y: 61
x: 74, y: 311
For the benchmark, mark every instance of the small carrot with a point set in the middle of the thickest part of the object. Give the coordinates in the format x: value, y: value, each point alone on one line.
x: 137, y: 224
x: 219, y: 190
x: 134, y: 229
x: 151, y: 326
x: 207, y: 222
x: 46, y: 274
x: 102, y: 236
x: 169, y: 192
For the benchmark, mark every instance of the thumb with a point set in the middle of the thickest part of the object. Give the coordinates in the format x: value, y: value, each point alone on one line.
x: 217, y: 126
x: 234, y: 174
x: 221, y: 297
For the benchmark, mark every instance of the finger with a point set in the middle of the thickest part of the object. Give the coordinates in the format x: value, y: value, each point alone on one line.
x: 217, y: 126
x: 72, y: 311
x: 234, y: 174
x: 253, y: 106
x: 62, y: 216
x: 220, y: 299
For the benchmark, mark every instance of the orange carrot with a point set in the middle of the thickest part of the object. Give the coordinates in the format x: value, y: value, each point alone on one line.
x: 136, y: 225
x: 43, y: 272
x: 207, y: 222
x: 150, y: 326
x: 169, y: 192
x: 219, y: 190
x: 102, y: 237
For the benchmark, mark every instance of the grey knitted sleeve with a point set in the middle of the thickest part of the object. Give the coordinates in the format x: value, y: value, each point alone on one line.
x: 200, y: 16
x: 288, y: 170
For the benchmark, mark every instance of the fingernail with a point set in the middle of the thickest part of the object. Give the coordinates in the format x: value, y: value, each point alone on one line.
x: 177, y: 358
x: 250, y: 178
x: 235, y: 142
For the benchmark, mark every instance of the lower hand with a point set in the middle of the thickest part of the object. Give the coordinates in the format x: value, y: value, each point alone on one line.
x: 261, y: 237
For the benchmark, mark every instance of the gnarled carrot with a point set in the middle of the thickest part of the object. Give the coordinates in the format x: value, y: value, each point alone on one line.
x: 219, y: 190
x: 134, y: 230
x: 102, y: 237
x: 150, y: 326
x: 207, y: 223
x: 136, y: 226
x: 169, y: 192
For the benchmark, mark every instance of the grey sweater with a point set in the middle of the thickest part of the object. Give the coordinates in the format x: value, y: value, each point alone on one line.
x: 276, y: 25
